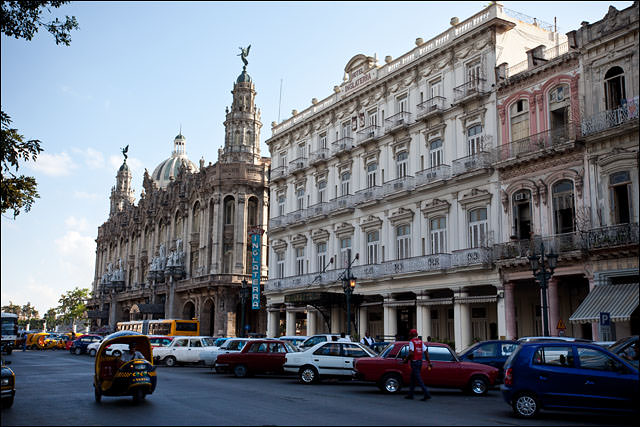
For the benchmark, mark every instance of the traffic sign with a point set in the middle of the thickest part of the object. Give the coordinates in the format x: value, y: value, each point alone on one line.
x: 561, y: 326
x: 605, y: 319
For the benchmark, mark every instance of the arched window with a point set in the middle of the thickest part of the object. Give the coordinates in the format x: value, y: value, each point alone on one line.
x: 280, y: 264
x: 345, y: 178
x: 372, y: 169
x: 281, y: 201
x: 322, y: 186
x: 474, y: 139
x: 195, y: 222
x: 438, y: 231
x: 559, y: 102
x: 373, y: 245
x: 227, y: 258
x: 299, y: 198
x: 614, y: 88
x: 519, y: 116
x: 478, y: 228
x: 403, y: 241
x: 229, y: 210
x: 521, y: 202
x: 402, y: 160
x: 436, y: 153
x: 620, y: 190
x: 563, y: 207
x: 252, y: 212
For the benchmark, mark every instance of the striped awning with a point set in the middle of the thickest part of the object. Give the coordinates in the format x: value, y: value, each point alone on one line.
x: 617, y: 300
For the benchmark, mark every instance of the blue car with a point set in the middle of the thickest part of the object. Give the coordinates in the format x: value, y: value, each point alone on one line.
x: 79, y: 346
x: 568, y: 375
x: 493, y: 353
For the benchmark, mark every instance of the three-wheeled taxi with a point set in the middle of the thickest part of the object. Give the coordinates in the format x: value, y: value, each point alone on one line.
x: 129, y: 374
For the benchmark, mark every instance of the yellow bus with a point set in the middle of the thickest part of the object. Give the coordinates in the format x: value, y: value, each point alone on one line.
x: 168, y: 327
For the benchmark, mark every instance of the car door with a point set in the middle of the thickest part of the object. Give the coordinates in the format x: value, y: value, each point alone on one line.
x: 275, y: 357
x: 256, y: 356
x: 328, y: 359
x: 486, y: 354
x: 179, y: 349
x: 193, y: 351
x: 604, y: 381
x: 350, y: 352
x: 446, y: 370
x: 557, y: 378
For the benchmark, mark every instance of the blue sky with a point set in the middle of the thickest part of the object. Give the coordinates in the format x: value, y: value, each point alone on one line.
x: 135, y: 72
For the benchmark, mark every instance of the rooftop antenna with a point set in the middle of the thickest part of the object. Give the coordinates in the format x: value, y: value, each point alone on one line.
x: 280, y: 101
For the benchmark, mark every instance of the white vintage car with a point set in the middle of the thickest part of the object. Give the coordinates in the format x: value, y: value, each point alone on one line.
x: 209, y: 356
x: 112, y: 350
x: 182, y: 350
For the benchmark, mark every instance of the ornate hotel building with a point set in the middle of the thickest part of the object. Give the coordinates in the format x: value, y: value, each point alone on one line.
x: 183, y: 250
x: 394, y: 174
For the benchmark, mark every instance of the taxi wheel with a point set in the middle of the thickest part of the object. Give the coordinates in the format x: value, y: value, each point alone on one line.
x: 97, y: 394
x: 170, y: 361
x: 240, y: 371
x: 139, y: 395
x: 525, y: 405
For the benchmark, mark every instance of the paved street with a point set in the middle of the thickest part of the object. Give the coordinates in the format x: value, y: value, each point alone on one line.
x: 54, y: 388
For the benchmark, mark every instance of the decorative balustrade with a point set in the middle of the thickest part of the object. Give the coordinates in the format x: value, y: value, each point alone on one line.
x: 608, y: 119
x: 341, y: 145
x: 279, y: 221
x: 318, y: 209
x: 612, y: 236
x: 540, y: 141
x: 406, y: 183
x: 548, y: 54
x: 369, y: 194
x: 436, y: 104
x: 297, y: 164
x: 472, y: 87
x: 278, y: 172
x: 397, y: 120
x: 476, y: 161
x: 435, y: 173
x: 470, y: 257
x: 319, y: 155
x: 368, y: 133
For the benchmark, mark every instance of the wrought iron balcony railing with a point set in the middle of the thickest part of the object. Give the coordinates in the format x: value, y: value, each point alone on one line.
x: 319, y: 155
x: 436, y: 173
x: 406, y: 183
x: 472, y: 87
x: 369, y: 194
x: 434, y: 105
x: 341, y: 145
x: 297, y: 164
x: 608, y: 119
x: 396, y: 121
x: 476, y: 161
x: 540, y: 141
x: 369, y: 133
x: 278, y: 172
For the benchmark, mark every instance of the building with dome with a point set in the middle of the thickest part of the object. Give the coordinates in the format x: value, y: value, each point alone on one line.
x: 183, y: 250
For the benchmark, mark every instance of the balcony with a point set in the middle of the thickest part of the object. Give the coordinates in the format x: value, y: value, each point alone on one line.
x: 319, y: 156
x: 369, y: 195
x: 471, y: 257
x: 436, y: 173
x: 431, y: 107
x: 319, y: 209
x: 613, y: 236
x: 278, y: 172
x: 471, y: 89
x: 368, y: 134
x: 342, y: 145
x: 398, y: 186
x: 297, y: 164
x: 340, y: 203
x: 397, y: 121
x: 537, y: 145
x: 609, y: 119
x: 277, y: 222
x: 480, y: 160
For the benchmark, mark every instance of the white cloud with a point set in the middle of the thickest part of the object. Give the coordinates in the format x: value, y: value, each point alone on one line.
x: 92, y: 157
x: 53, y: 164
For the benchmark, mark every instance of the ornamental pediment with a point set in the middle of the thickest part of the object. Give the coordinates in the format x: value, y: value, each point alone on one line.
x: 475, y: 196
x: 319, y: 236
x: 434, y: 207
x: 371, y: 223
x: 299, y: 240
x: 279, y: 245
x: 401, y: 215
x: 344, y: 229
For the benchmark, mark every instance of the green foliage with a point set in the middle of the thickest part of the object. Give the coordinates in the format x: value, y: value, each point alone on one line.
x: 51, y: 318
x: 72, y: 304
x: 17, y: 192
x: 12, y: 308
x: 29, y: 311
x: 23, y: 19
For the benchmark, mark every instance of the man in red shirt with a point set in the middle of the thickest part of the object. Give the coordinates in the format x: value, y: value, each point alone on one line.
x: 416, y: 351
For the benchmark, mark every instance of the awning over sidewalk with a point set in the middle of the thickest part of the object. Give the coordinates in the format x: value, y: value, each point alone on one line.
x: 617, y: 300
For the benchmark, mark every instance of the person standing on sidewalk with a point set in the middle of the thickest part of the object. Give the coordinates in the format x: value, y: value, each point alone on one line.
x: 417, y: 350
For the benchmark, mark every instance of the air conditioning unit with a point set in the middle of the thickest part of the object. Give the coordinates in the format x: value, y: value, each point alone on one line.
x: 521, y: 196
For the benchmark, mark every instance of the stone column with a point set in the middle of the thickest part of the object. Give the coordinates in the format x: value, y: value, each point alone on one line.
x: 290, y: 322
x: 510, y: 310
x: 272, y: 321
x: 113, y: 312
x: 501, y: 313
x: 311, y: 321
x: 363, y: 321
x: 423, y: 318
x: 554, y: 306
x: 390, y: 322
x: 461, y: 322
x: 336, y: 319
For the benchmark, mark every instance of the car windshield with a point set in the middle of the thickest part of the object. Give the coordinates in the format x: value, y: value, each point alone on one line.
x: 291, y: 348
x: 385, y: 352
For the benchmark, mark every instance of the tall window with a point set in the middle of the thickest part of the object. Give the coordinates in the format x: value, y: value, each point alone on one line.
x: 614, y: 90
x: 478, y: 228
x: 345, y: 251
x: 435, y: 88
x: 403, y: 241
x: 620, y: 190
x: 321, y: 249
x: 195, y: 225
x: 346, y: 129
x: 373, y: 245
x: 322, y: 187
x: 474, y: 140
x: 227, y: 258
x: 402, y: 160
x: 563, y: 207
x: 559, y: 102
x: 229, y: 211
x: 322, y: 144
x: 436, y: 153
x: 300, y: 198
x: 283, y: 158
x: 345, y: 178
x: 522, y: 214
x: 474, y: 74
x: 438, y: 230
x: 280, y: 264
x: 299, y: 261
x: 371, y: 174
x: 281, y: 201
x: 372, y: 117
x: 519, y: 120
x: 301, y: 150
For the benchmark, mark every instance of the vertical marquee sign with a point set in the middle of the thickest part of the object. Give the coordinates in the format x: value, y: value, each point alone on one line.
x: 256, y: 252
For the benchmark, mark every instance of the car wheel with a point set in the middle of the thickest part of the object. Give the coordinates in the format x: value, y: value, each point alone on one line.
x: 170, y: 361
x: 116, y: 353
x: 98, y: 394
x: 92, y: 352
x: 78, y: 351
x: 240, y: 371
x: 139, y: 395
x: 478, y: 386
x: 525, y: 405
x: 391, y: 383
x: 308, y: 375
x: 9, y: 350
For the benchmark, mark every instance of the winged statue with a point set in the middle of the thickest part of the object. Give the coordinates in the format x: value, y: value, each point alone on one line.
x: 125, y: 150
x: 244, y: 52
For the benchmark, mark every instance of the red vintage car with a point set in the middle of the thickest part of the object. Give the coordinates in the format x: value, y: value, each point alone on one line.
x: 390, y: 372
x: 257, y: 357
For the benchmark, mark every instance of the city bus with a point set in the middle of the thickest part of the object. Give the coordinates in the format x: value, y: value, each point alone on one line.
x: 9, y: 332
x: 168, y: 327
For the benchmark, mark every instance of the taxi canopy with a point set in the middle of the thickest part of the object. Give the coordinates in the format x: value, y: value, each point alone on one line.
x: 127, y: 337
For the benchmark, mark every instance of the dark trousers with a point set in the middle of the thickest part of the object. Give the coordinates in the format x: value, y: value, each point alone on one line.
x: 416, y: 367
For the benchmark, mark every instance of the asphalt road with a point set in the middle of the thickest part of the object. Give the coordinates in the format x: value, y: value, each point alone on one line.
x: 55, y: 388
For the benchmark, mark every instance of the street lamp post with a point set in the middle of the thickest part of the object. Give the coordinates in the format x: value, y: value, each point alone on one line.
x: 543, y: 273
x: 244, y: 294
x: 348, y: 284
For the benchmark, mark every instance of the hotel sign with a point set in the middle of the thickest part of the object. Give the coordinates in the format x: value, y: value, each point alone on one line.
x: 256, y: 256
x: 360, y: 77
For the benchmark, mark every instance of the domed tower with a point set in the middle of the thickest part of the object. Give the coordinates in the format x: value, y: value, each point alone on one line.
x: 242, y: 123
x: 122, y: 193
x: 168, y: 169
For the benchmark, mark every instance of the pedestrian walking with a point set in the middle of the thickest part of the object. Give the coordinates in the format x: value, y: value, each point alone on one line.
x: 367, y: 340
x: 417, y: 350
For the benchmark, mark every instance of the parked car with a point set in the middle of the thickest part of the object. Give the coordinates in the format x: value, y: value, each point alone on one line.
x: 326, y: 359
x: 624, y: 348
x: 391, y: 373
x: 92, y: 348
x: 182, y: 350
x: 257, y: 357
x: 493, y: 353
x: 79, y: 345
x: 379, y: 346
x: 210, y: 356
x: 315, y: 339
x: 563, y: 339
x: 568, y: 375
x: 160, y: 340
x: 8, y: 384
x: 294, y: 339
